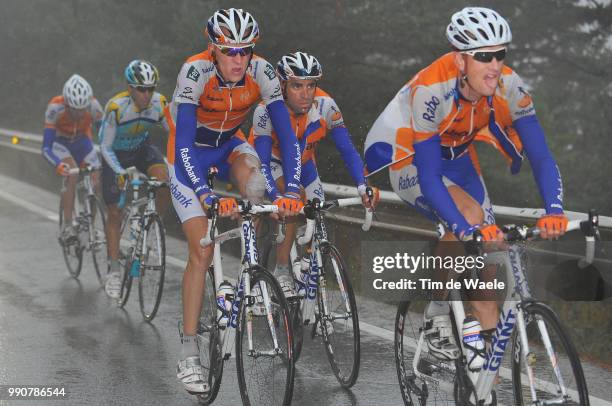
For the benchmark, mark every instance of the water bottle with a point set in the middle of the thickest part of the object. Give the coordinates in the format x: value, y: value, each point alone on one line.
x: 225, y: 296
x: 301, y: 267
x: 473, y: 343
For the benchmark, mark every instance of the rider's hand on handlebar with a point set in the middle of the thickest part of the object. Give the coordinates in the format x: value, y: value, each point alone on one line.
x: 228, y: 207
x: 370, y: 196
x: 552, y: 226
x: 121, y: 181
x: 289, y: 204
x: 490, y: 233
x: 62, y: 169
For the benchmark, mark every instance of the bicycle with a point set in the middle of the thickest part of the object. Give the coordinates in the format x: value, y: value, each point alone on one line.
x: 257, y: 322
x: 539, y: 337
x: 142, y: 252
x: 324, y: 282
x: 89, y: 224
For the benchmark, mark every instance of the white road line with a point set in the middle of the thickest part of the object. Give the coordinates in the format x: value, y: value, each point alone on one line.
x: 363, y: 326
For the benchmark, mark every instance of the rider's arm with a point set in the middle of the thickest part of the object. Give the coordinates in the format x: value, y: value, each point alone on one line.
x: 290, y: 149
x: 163, y: 103
x: 349, y: 154
x: 545, y: 169
x: 49, y: 134
x: 425, y: 121
x: 97, y: 114
x: 47, y: 147
x: 428, y: 161
x: 262, y: 132
x: 107, y: 134
x: 272, y: 97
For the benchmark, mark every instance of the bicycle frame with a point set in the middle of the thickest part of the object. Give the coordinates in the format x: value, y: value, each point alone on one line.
x: 249, y: 259
x: 82, y: 210
x: 511, y: 316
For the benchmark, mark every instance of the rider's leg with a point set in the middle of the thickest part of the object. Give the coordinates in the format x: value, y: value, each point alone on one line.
x: 246, y: 174
x: 68, y: 192
x: 162, y: 196
x: 111, y: 194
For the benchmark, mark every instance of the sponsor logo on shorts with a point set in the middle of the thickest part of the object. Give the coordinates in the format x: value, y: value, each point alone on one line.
x: 179, y: 197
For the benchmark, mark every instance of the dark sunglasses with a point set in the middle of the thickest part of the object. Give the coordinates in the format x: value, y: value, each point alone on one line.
x: 144, y: 89
x: 487, y: 56
x: 231, y: 52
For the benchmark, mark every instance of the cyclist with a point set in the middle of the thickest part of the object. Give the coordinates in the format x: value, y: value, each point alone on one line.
x: 67, y: 138
x: 426, y: 136
x: 214, y: 93
x: 125, y: 142
x: 313, y: 114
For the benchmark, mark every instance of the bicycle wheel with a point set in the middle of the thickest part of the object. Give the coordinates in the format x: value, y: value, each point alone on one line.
x: 209, y: 340
x: 126, y: 280
x: 338, y: 319
x: 556, y: 368
x: 152, y: 267
x: 297, y: 326
x: 71, y: 248
x: 265, y: 370
x: 97, y: 238
x: 414, y: 389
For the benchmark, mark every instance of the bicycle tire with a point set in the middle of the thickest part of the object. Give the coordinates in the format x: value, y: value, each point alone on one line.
x: 282, y: 326
x: 297, y: 326
x: 414, y: 390
x: 126, y: 280
x: 152, y: 273
x: 72, y: 250
x: 209, y: 340
x: 566, y: 361
x: 97, y: 212
x: 335, y: 272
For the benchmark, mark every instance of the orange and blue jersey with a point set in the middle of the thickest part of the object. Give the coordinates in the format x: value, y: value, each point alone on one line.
x: 428, y: 122
x: 208, y: 113
x: 324, y: 116
x: 59, y: 123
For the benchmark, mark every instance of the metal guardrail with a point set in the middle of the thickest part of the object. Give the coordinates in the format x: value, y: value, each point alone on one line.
x: 386, y: 196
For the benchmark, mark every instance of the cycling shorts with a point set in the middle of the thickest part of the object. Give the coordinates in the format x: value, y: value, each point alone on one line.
x: 460, y: 172
x: 80, y: 148
x: 143, y: 158
x: 184, y: 199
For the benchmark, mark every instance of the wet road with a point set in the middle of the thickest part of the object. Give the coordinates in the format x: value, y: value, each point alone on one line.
x: 55, y: 330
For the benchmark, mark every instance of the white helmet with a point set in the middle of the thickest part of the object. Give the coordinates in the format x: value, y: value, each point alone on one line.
x: 299, y: 65
x: 77, y: 92
x: 233, y: 26
x: 477, y: 27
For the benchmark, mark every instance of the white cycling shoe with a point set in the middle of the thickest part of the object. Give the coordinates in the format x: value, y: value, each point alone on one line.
x: 113, y: 285
x: 190, y: 375
x: 439, y: 336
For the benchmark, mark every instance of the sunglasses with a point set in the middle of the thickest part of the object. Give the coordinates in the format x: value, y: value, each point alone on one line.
x: 487, y: 56
x: 231, y: 52
x: 144, y: 89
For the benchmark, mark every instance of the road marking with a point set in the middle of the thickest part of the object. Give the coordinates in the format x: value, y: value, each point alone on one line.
x: 363, y: 326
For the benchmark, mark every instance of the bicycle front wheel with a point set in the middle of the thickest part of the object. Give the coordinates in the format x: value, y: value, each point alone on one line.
x: 71, y: 247
x: 97, y: 238
x: 337, y: 318
x: 209, y: 340
x: 550, y: 372
x: 152, y: 267
x: 126, y: 279
x: 264, y: 357
x: 416, y: 390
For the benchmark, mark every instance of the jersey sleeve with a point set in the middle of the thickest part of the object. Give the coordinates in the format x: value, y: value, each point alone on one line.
x: 331, y: 113
x: 265, y: 76
x: 261, y: 122
x: 51, y: 114
x: 163, y: 102
x: 189, y: 84
x: 108, y: 131
x: 426, y: 114
x: 519, y: 99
